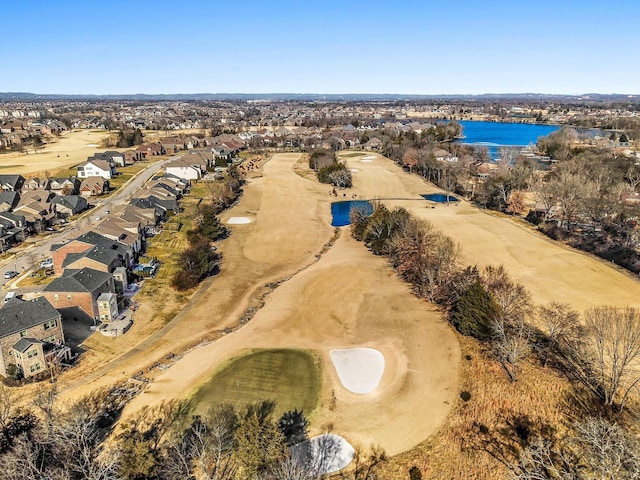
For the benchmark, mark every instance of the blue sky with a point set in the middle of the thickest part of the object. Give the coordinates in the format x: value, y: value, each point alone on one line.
x: 311, y: 46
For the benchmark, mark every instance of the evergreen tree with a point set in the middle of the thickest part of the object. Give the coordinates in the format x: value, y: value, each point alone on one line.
x: 474, y: 312
x: 293, y: 425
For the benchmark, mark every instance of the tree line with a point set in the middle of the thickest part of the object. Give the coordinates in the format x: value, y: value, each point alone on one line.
x: 200, y: 260
x: 88, y: 440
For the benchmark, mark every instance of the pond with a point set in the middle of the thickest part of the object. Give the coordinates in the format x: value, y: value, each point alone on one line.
x: 439, y: 197
x: 494, y: 135
x: 341, y: 211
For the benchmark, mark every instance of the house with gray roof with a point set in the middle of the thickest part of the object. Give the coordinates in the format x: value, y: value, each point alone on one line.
x: 65, y: 185
x: 36, y: 183
x: 148, y: 218
x: 157, y: 198
x: 31, y: 336
x: 8, y: 200
x: 110, y: 156
x: 38, y: 215
x: 68, y: 205
x: 92, y: 250
x: 75, y: 294
x: 13, y: 229
x: 11, y: 183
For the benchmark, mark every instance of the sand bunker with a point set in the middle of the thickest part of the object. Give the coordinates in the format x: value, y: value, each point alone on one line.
x: 368, y: 157
x: 238, y: 221
x: 359, y: 369
x: 354, y: 170
x: 92, y: 145
x: 366, y: 160
x: 324, y: 454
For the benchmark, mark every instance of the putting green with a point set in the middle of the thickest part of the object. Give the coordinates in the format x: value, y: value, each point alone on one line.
x: 289, y: 377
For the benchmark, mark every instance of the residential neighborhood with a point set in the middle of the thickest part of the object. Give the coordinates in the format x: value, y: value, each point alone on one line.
x: 94, y: 272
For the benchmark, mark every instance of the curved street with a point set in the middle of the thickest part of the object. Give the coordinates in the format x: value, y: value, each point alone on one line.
x: 38, y: 248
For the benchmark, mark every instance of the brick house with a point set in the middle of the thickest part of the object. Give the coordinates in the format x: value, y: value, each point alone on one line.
x: 131, y: 156
x: 94, y: 186
x: 79, y: 290
x: 91, y: 250
x: 60, y: 251
x: 172, y: 145
x: 151, y: 150
x: 30, y: 335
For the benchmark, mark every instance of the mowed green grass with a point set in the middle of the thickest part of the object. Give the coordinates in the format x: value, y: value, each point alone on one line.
x: 289, y: 377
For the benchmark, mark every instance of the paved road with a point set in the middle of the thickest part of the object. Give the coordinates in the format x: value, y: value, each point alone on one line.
x: 40, y: 247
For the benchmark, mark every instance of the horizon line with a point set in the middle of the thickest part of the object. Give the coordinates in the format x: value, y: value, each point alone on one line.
x: 327, y: 94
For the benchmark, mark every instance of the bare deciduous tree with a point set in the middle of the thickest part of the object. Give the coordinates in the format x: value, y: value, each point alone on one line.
x: 516, y: 202
x: 595, y: 449
x: 410, y: 159
x: 511, y: 332
x: 291, y: 468
x: 545, y: 194
x: 508, y: 155
x: 613, y: 336
x: 561, y: 326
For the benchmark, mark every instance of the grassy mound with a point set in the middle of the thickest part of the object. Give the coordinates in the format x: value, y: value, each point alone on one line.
x: 289, y: 377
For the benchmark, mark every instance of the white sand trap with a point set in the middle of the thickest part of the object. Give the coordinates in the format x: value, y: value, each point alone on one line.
x: 369, y: 157
x: 238, y: 221
x: 366, y: 160
x: 354, y: 170
x: 359, y: 369
x: 92, y: 145
x: 324, y: 454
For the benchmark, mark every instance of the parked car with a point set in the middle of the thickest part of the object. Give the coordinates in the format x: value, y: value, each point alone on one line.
x: 10, y: 274
x: 48, y: 263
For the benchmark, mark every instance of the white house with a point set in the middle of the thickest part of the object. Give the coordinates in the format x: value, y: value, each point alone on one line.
x: 184, y: 170
x: 96, y: 168
x: 111, y: 156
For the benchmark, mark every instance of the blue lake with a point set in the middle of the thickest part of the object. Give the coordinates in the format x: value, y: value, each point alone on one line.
x: 341, y: 211
x: 497, y: 134
x: 439, y: 197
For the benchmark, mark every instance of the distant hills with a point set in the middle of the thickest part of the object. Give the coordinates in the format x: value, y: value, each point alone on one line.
x: 346, y: 97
